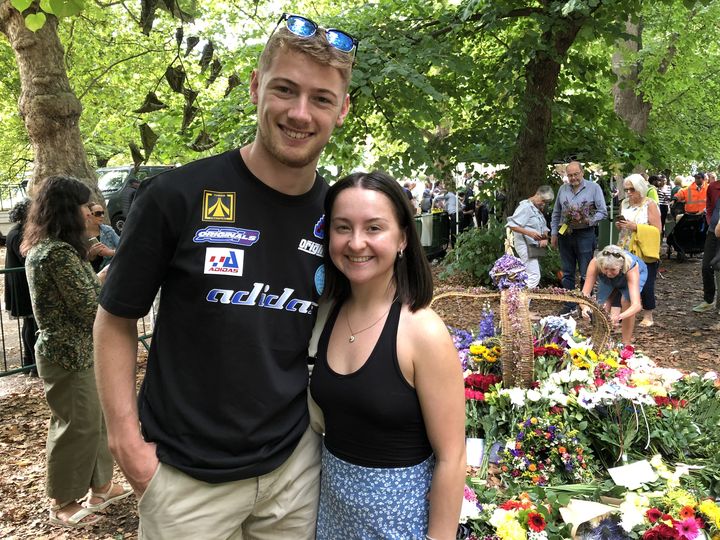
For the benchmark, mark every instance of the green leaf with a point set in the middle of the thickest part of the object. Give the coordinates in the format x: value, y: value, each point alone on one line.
x: 46, y: 7
x: 35, y: 21
x: 21, y: 5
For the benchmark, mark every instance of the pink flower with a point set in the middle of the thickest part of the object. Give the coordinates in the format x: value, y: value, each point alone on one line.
x: 627, y: 352
x: 688, y: 528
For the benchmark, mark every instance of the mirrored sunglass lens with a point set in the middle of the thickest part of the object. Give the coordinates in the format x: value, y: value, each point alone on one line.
x: 340, y: 40
x: 300, y: 26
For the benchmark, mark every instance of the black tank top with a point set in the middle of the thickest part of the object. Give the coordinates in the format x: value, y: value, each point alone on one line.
x: 372, y: 416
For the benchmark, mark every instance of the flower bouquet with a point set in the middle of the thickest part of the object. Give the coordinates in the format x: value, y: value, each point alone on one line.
x: 545, y: 451
x: 576, y: 215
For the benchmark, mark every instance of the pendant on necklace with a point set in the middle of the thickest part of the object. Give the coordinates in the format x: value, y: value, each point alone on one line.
x: 352, y: 339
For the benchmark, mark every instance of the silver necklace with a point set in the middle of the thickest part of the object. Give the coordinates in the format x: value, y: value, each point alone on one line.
x: 353, y: 334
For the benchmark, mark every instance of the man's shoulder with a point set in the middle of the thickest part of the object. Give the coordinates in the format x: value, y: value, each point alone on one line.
x: 195, y: 173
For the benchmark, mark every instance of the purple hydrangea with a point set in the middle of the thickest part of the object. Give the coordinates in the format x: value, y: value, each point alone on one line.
x: 509, y: 272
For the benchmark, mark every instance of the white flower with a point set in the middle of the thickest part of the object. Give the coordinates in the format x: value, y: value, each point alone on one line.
x: 587, y: 400
x: 516, y: 395
x: 581, y: 375
x: 469, y: 510
x: 633, y: 510
x: 710, y: 375
x: 500, y: 516
x: 534, y: 395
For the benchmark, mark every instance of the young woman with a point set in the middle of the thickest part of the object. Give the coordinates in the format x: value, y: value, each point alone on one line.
x: 64, y: 292
x: 638, y: 210
x: 620, y: 276
x: 387, y: 376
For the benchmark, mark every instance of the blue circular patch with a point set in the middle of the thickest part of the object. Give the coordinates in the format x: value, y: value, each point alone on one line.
x: 320, y: 279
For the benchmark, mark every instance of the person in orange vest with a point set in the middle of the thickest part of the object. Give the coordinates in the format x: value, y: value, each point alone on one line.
x: 694, y: 195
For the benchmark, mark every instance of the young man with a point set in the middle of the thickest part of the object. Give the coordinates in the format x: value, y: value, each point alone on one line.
x: 235, y: 242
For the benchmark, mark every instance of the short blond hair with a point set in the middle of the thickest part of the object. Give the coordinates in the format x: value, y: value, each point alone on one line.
x: 613, y: 257
x: 315, y: 46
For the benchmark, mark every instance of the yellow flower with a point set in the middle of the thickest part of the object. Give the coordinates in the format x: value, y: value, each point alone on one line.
x: 681, y: 498
x: 581, y: 363
x: 511, y: 530
x: 476, y: 348
x: 710, y: 509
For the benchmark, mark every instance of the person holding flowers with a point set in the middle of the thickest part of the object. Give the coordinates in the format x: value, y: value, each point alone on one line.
x: 387, y: 376
x: 620, y: 277
x: 579, y: 206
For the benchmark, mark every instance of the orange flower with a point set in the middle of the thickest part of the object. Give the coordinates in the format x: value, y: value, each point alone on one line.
x: 535, y: 479
x: 687, y: 512
x: 532, y: 467
x: 562, y: 450
x: 504, y: 468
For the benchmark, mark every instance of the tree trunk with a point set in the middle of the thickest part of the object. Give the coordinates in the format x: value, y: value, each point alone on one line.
x: 630, y: 105
x: 528, y: 168
x: 47, y: 103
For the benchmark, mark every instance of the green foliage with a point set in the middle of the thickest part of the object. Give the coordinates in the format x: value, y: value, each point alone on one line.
x: 477, y: 250
x: 475, y: 253
x: 436, y: 83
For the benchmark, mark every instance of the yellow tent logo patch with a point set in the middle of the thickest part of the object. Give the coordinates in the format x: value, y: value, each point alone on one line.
x: 218, y: 206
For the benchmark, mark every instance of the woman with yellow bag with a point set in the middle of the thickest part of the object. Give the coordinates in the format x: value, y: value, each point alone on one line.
x: 639, y: 224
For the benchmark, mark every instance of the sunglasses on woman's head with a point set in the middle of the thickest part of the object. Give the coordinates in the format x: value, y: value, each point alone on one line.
x: 99, y: 213
x: 607, y: 253
x: 304, y: 27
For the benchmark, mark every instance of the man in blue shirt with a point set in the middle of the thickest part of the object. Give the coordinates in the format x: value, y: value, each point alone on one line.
x: 579, y: 206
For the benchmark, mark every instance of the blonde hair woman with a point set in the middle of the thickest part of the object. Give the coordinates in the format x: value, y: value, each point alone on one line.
x: 637, y: 215
x: 620, y: 276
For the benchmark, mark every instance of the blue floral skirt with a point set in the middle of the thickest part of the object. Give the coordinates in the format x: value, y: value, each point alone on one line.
x: 368, y: 503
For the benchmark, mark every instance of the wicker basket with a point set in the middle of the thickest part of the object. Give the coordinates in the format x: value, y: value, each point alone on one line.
x: 518, y: 358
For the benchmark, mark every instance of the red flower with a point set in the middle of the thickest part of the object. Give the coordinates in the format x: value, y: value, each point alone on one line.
x: 662, y: 401
x: 536, y: 522
x: 653, y: 514
x: 627, y: 352
x: 661, y: 532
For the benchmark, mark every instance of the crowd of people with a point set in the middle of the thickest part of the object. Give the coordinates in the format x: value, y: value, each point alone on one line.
x: 623, y: 275
x: 219, y: 441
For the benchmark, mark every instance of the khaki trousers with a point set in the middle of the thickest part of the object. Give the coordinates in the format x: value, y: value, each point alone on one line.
x: 77, y: 450
x: 279, y: 505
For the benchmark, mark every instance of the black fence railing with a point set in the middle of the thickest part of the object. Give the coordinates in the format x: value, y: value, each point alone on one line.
x: 11, y: 333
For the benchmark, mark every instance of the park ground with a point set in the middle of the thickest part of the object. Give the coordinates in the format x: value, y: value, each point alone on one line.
x: 680, y: 338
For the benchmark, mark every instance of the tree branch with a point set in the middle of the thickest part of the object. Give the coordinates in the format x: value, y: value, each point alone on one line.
x: 111, y: 66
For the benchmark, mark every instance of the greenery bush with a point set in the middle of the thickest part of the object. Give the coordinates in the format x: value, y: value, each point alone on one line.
x: 477, y: 250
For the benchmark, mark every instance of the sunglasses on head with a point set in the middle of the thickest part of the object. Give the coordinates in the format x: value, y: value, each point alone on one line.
x: 607, y: 253
x: 304, y: 27
x: 99, y: 213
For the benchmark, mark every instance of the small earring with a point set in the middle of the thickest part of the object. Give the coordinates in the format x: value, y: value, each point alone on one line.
x: 400, y: 254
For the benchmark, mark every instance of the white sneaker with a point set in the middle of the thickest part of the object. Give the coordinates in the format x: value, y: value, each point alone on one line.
x: 703, y: 307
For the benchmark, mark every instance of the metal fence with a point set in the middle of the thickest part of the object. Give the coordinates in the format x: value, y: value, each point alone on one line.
x: 11, y: 333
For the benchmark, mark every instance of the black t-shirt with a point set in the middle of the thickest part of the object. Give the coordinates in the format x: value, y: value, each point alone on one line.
x: 240, y: 265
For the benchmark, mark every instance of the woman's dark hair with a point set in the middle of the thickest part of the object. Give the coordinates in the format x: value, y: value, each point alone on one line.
x: 413, y: 278
x: 55, y: 213
x: 19, y: 212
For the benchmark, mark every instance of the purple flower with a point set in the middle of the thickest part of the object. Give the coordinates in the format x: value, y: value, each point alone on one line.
x: 487, y: 324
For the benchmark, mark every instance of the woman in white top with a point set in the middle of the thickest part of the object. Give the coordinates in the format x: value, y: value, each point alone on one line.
x: 531, y: 231
x: 636, y: 209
